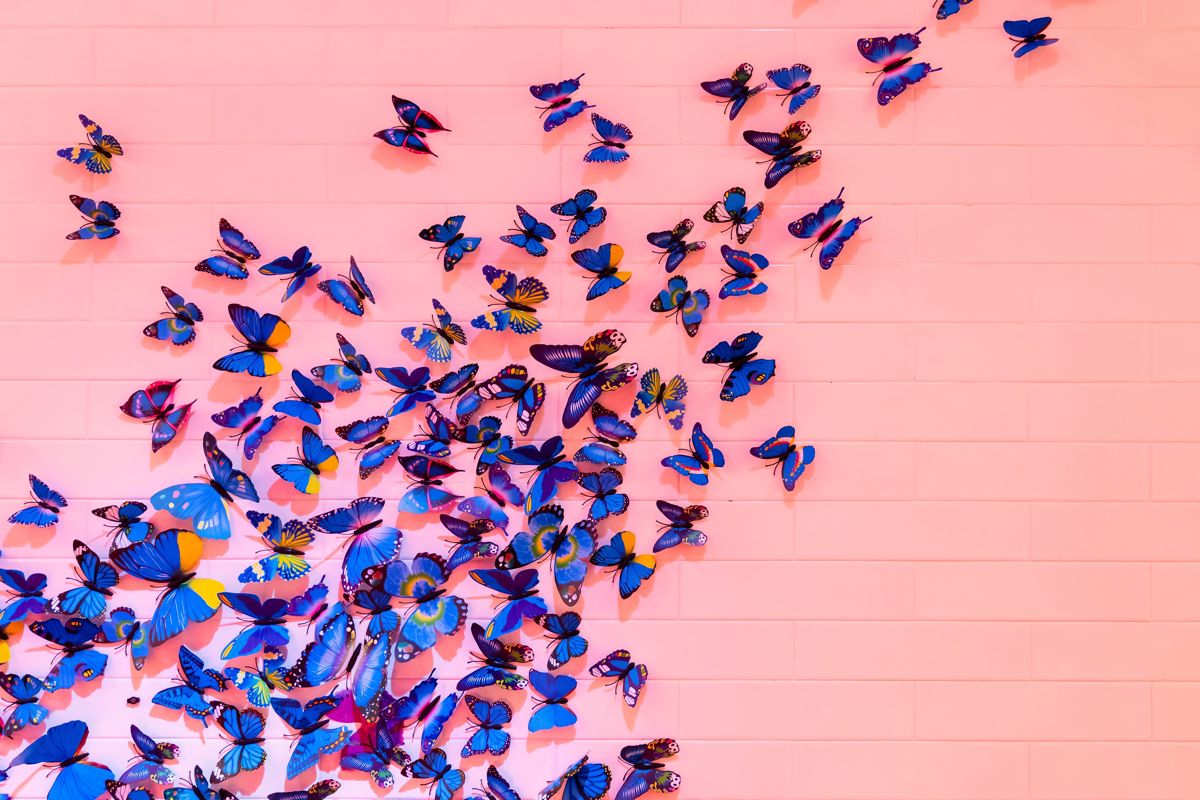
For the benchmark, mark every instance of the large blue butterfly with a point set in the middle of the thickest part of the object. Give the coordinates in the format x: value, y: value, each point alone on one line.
x: 313, y: 736
x: 732, y: 212
x: 601, y: 490
x: 412, y: 387
x: 62, y: 748
x: 782, y: 450
x: 205, y: 503
x: 124, y: 628
x: 287, y: 541
x: 43, y: 507
x: 425, y: 492
x: 305, y: 401
x: 785, y: 149
x: 345, y: 374
x: 735, y: 90
x: 101, y: 217
x: 530, y: 234
x: 488, y: 734
x: 350, y: 291
x: 628, y: 677
x: 26, y: 592
x: 127, y: 523
x: 245, y: 752
x: 602, y: 263
x: 78, y: 659
x: 251, y: 427
x: 26, y: 709
x: 326, y: 655
x: 148, y: 763
x: 179, y: 325
x: 497, y: 662
x: 153, y: 404
x: 607, y: 436
x: 170, y: 559
x: 520, y: 595
x: 743, y: 367
x: 673, y: 244
x: 374, y: 448
x: 97, y: 153
x: 646, y: 769
x: 550, y: 467
x: 583, y: 780
x: 434, y: 613
x: 235, y: 250
x: 560, y: 107
x: 425, y: 707
x: 1027, y: 33
x: 435, y: 770
x: 568, y: 642
x: 695, y: 463
x: 521, y: 391
x: 416, y: 123
x: 582, y: 212
x: 549, y: 537
x: 436, y: 340
x: 608, y: 142
x: 499, y: 492
x: 262, y: 335
x: 742, y: 277
x: 831, y: 233
x: 90, y: 598
x: 686, y: 305
x: 588, y: 362
x: 680, y: 526
x: 313, y: 458
x: 795, y: 84
x: 898, y: 69
x: 629, y: 569
x: 195, y: 680
x: 370, y: 541
x: 449, y: 241
x: 295, y: 269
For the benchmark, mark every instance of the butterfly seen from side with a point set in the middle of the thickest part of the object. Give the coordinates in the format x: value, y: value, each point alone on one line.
x: 345, y: 374
x: 97, y: 154
x: 468, y: 540
x: 497, y: 663
x: 608, y: 142
x: 735, y: 91
x: 897, y: 68
x: 549, y: 466
x: 100, y: 219
x: 154, y: 405
x: 1029, y: 34
x: 179, y: 324
x: 680, y: 526
x: 318, y: 791
x: 785, y: 150
x: 415, y: 125
x: 149, y: 763
x: 582, y: 780
x: 743, y: 367
x: 607, y: 435
x: 793, y: 80
x: 559, y: 106
x: 829, y: 232
x: 61, y: 747
x: 948, y: 8
x: 449, y: 240
x: 233, y: 250
x: 351, y: 291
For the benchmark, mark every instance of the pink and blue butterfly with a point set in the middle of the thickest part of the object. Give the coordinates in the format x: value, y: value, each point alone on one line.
x: 296, y: 269
x: 549, y: 465
x: 351, y: 291
x: 797, y: 90
x: 680, y: 526
x: 205, y: 504
x: 497, y: 660
x: 898, y: 69
x: 602, y: 263
x: 262, y: 335
x: 179, y: 325
x: 468, y: 540
x: 314, y: 736
x: 831, y: 233
x: 548, y: 537
x: 600, y: 489
x: 412, y: 388
x: 743, y: 367
x: 149, y: 763
x: 305, y: 401
x: 1029, y: 34
x: 582, y: 212
x: 686, y: 305
x: 608, y: 433
x: 608, y: 142
x: 785, y: 150
x: 345, y: 374
x: 519, y: 591
x: 61, y: 747
x: 512, y: 384
x: 560, y: 107
x: 450, y: 241
x: 552, y: 710
x: 695, y: 463
x: 252, y: 428
x: 782, y: 450
x: 370, y: 541
x: 101, y: 219
x: 96, y: 581
x: 416, y: 124
x: 742, y: 277
x: 42, y: 509
x: 77, y: 659
x: 673, y: 244
x: 628, y: 677
x: 530, y: 234
x: 234, y: 250
x: 154, y: 405
x: 373, y: 447
x: 630, y: 570
x: 425, y: 492
x: 188, y: 694
x: 568, y: 642
x: 735, y: 91
x: 245, y: 752
x: 373, y: 748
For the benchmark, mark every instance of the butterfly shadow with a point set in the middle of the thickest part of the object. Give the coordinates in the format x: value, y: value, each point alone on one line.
x: 85, y: 250
x: 397, y: 159
x: 886, y: 115
x: 599, y: 173
x: 800, y: 6
x: 540, y: 740
x: 246, y: 784
x: 1030, y: 65
x: 29, y: 535
x: 283, y: 495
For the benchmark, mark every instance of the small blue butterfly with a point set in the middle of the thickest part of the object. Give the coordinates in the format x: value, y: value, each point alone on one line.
x: 782, y: 450
x: 42, y: 510
x: 314, y: 736
x: 695, y: 463
x: 743, y: 273
x: 583, y: 780
x: 350, y: 291
x: 235, y: 250
x: 530, y: 234
x: 609, y: 433
x: 785, y: 149
x: 435, y: 770
x: 449, y: 240
x: 743, y: 367
x: 511, y: 384
x: 412, y: 387
x: 90, y: 598
x: 251, y: 427
x: 582, y: 212
x: 899, y: 68
x: 1028, y: 34
x: 608, y: 142
x: 438, y: 339
x: 205, y: 503
x: 560, y: 106
x: 795, y: 84
x: 826, y: 229
x: 564, y: 633
x: 371, y: 541
x: 77, y: 659
x: 468, y: 540
x: 497, y: 660
x: 601, y: 490
x: 179, y: 327
x: 346, y: 373
x: 374, y: 448
x: 101, y: 217
x: 686, y: 305
x: 305, y: 401
x: 27, y: 710
x: 732, y: 212
x: 552, y: 711
x: 148, y: 763
x: 195, y: 680
x: 296, y: 270
x: 127, y: 523
x: 488, y: 734
x: 629, y: 677
x: 673, y: 245
x: 679, y: 527
x: 245, y: 752
x: 425, y: 491
x: 520, y: 594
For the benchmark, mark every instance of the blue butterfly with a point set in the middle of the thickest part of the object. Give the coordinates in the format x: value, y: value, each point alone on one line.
x: 831, y: 233
x: 679, y: 527
x: 411, y: 135
x: 204, y: 503
x: 245, y: 752
x: 487, y: 441
x: 795, y: 84
x: 26, y: 710
x: 263, y: 335
x: 497, y: 787
x: 314, y: 457
x: 313, y: 738
x: 550, y: 468
x: 189, y: 693
x: 422, y: 706
x: 552, y: 712
x: 589, y: 363
x: 520, y: 595
x: 305, y: 406
x: 898, y: 70
x: 607, y: 436
x: 549, y: 537
x: 459, y: 383
x: 564, y: 633
x: 100, y: 215
x: 382, y: 619
x: 259, y: 681
x: 372, y: 748
x: 287, y: 541
x: 674, y: 246
x: 235, y: 250
x: 413, y: 387
x: 522, y: 392
x: 499, y: 492
x: 296, y: 270
x: 346, y: 373
x: 90, y: 598
x: 43, y: 507
x: 153, y: 404
x: 561, y: 107
x: 97, y: 153
x: 468, y: 540
x: 497, y: 662
x: 743, y: 367
x: 582, y: 212
x: 266, y: 628
x: 608, y: 142
x: 124, y: 628
x: 695, y: 463
x: 435, y: 440
x: 656, y: 394
x: 488, y: 735
x: 646, y: 769
x: 629, y: 677
x: 732, y: 212
x: 1027, y: 33
x: 148, y: 763
x: 435, y: 769
x: 196, y: 789
x: 529, y: 234
x: 78, y: 659
x: 601, y: 489
x: 26, y: 592
x: 179, y: 326
x: 782, y: 450
x: 583, y: 780
x: 371, y: 542
x: 61, y: 747
x: 947, y: 8
x: 735, y: 90
x: 350, y: 291
x: 252, y: 428
x: 516, y: 302
x: 170, y: 559
x: 434, y: 613
x: 318, y: 791
x: 686, y: 305
x: 326, y: 655
x: 785, y: 149
x: 374, y: 449
x: 743, y: 273
x: 425, y: 492
x: 629, y: 569
x: 450, y: 242
x: 602, y: 263
x: 127, y: 523
x: 438, y: 339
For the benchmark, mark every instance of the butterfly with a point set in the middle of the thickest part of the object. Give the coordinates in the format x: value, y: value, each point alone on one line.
x: 735, y: 90
x: 413, y: 387
x: 487, y: 734
x: 734, y: 214
x: 785, y: 150
x: 695, y: 463
x: 417, y: 123
x: 459, y: 383
x: 522, y: 392
x: 898, y: 70
x: 594, y: 376
x: 78, y: 659
x: 126, y: 518
x: 468, y: 540
x: 154, y: 405
x: 947, y: 8
x: 42, y: 509
x: 743, y: 367
x: 90, y: 598
x: 371, y: 542
x: 1027, y: 33
x: 602, y: 264
x: 252, y: 428
x: 124, y: 628
x: 235, y: 250
x: 170, y: 559
x: 782, y: 450
x: 435, y: 769
x: 564, y: 633
x: 795, y: 84
x: 197, y: 789
x: 646, y: 770
x: 656, y: 394
x: 374, y: 449
x: 583, y: 780
x: 608, y: 142
x: 100, y: 215
x: 436, y: 340
x: 552, y: 711
x: 257, y: 682
x: 499, y: 492
x: 295, y: 269
x: 518, y: 301
x: 550, y: 468
x: 313, y: 737
x: 425, y: 491
x: 372, y: 748
x: 98, y: 153
x: 434, y: 612
x: 266, y: 628
x: 306, y: 404
x: 204, y: 503
x: 327, y: 654
x: 487, y: 441
x: 530, y: 234
x: 548, y: 537
x: 629, y: 569
x: 350, y: 291
x: 609, y: 433
x: 262, y: 336
x: 61, y: 747
x: 582, y: 212
x: 679, y: 529
x: 743, y: 273
x: 313, y: 458
x: 195, y: 680
x: 561, y: 107
x: 685, y: 305
x: 449, y: 241
x: 674, y: 246
x: 345, y: 374
x: 520, y: 596
x: 601, y: 489
x: 422, y: 705
x: 26, y: 592
x: 498, y: 662
x: 629, y: 676
x: 148, y: 763
x: 26, y: 709
x: 179, y: 326
x: 831, y: 233
x: 245, y: 752
x: 287, y: 541
x: 318, y: 791
x: 497, y: 787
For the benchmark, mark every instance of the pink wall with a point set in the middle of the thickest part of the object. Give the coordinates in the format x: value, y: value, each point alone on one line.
x: 989, y: 586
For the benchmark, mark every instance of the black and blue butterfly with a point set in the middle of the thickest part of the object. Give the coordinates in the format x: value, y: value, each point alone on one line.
x: 149, y: 763
x: 686, y: 305
x: 1029, y: 34
x: 831, y: 233
x: 582, y: 212
x: 412, y: 387
x: 673, y: 244
x: 155, y: 405
x: 328, y: 654
x: 608, y: 142
x: 607, y: 435
x: 513, y: 384
x: 26, y: 593
x: 426, y: 476
x: 948, y: 8
x: 125, y: 629
x: 468, y: 540
x: 602, y: 263
x: 179, y: 324
x: 100, y: 219
x: 434, y: 768
x: 373, y: 448
x: 313, y: 459
x: 516, y: 301
x: 898, y: 69
x: 583, y: 780
x: 734, y: 91
x: 696, y: 462
x: 205, y: 503
x: 126, y: 523
x: 629, y: 677
x: 589, y: 363
x: 198, y: 788
x: 416, y: 124
x: 306, y: 399
x: 43, y: 507
x: 530, y: 234
x: 629, y: 569
x: 287, y: 542
x: 732, y: 212
x: 549, y: 466
x: 318, y: 791
x: 266, y: 626
x: 552, y: 710
x: 449, y: 240
x: 26, y: 709
x: 568, y: 642
x: 370, y: 541
x: 497, y: 788
x: 560, y: 107
x: 497, y: 660
x: 456, y: 385
x: 314, y: 736
x: 665, y: 397
x: 77, y: 658
x: 568, y: 548
x: 743, y: 276
x: 499, y: 492
x: 519, y: 593
x: 246, y: 731
x: 782, y: 450
x: 61, y: 747
x: 251, y: 427
x: 785, y: 149
x: 436, y: 340
x: 234, y: 250
x: 487, y: 440
x: 296, y: 269
x: 96, y: 581
x: 646, y: 770
x: 345, y: 374
x: 97, y: 153
x: 793, y: 80
x: 680, y: 526
x: 351, y: 291
x: 188, y: 694
x: 487, y: 731
x: 261, y: 337
x: 743, y: 367
x: 600, y: 489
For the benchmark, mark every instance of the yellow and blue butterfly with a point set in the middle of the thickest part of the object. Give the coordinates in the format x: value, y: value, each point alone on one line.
x: 258, y: 682
x: 629, y: 569
x: 179, y: 326
x: 436, y: 340
x: 262, y: 335
x: 658, y: 395
x: 518, y: 301
x: 602, y: 263
x: 98, y: 153
x: 287, y: 541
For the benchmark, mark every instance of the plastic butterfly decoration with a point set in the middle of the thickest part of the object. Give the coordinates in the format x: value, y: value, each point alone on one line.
x: 154, y: 405
x: 425, y: 491
x: 98, y: 153
x: 372, y: 748
x: 602, y: 263
x: 436, y: 340
x: 785, y: 149
x: 582, y: 212
x: 318, y: 791
x: 568, y: 643
x: 673, y: 244
x: 735, y: 90
x: 519, y: 594
x: 345, y: 374
x: 782, y: 450
x: 296, y: 269
x: 608, y: 142
x: 179, y: 325
x: 434, y: 768
x: 433, y: 612
x: 100, y: 218
x: 262, y: 336
x: 487, y: 734
x: 607, y: 435
x: 61, y: 747
x: 41, y: 510
x: 549, y: 466
x: 629, y: 569
x: 205, y: 503
x: 568, y: 548
x: 26, y: 709
x: 588, y: 362
x: 234, y: 251
x: 695, y: 463
x: 530, y: 234
x: 517, y: 299
x: 743, y: 367
x: 600, y: 488
x: 487, y: 441
x: 559, y: 106
x: 947, y: 8
x: 126, y: 521
x: 468, y: 540
x: 457, y: 385
x: 313, y: 736
x: 513, y: 385
x: 188, y: 694
x: 328, y: 654
x: 659, y: 396
x: 25, y: 592
x: 646, y: 769
x: 411, y: 387
x: 198, y: 788
x: 314, y: 457
x: 435, y: 439
x: 679, y: 527
x: 450, y: 241
x: 1029, y: 34
x: 266, y: 628
x: 583, y: 780
x: 416, y: 125
x: 742, y: 277
x: 732, y: 212
x: 258, y: 681
x: 793, y: 80
x: 244, y: 753
x: 497, y: 787
x: 370, y: 541
x: 149, y: 764
x: 351, y: 291
x: 373, y: 447
x: 897, y: 66
x: 305, y: 401
x: 77, y: 659
x: 831, y: 233
x: 96, y: 581
x: 628, y: 677
x: 686, y: 305
x: 499, y: 492
x: 552, y: 711
x: 497, y: 660
x: 252, y: 428
x: 124, y: 628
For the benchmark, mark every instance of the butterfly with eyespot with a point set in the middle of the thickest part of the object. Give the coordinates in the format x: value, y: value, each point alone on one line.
x: 468, y: 540
x: 782, y: 451
x: 149, y: 763
x: 589, y: 363
x: 154, y: 405
x: 252, y: 428
x: 735, y: 91
x: 831, y: 233
x: 77, y: 659
x: 205, y: 503
x: 695, y: 463
x: 101, y: 217
x: 436, y: 340
x: 530, y: 234
x: 560, y: 106
x: 434, y: 613
x: 1028, y: 34
x: 732, y: 212
x: 679, y: 527
x: 661, y: 396
x: 497, y: 788
x: 351, y: 291
x: 898, y: 69
x: 43, y: 507
x: 435, y: 438
x: 567, y: 548
x: 609, y: 432
x: 486, y: 439
x: 785, y: 149
x: 295, y: 269
x: 127, y: 523
x: 96, y: 581
x: 608, y: 142
x: 630, y: 678
x: 498, y: 662
x: 513, y: 384
x: 449, y: 240
x: 947, y: 8
x: 686, y: 305
x: 743, y: 367
x: 305, y: 401
x: 602, y: 263
x: 373, y: 447
x: 234, y: 251
x: 583, y: 780
x: 345, y: 374
x: 646, y: 769
x: 179, y: 326
x: 568, y: 643
x: 797, y: 90
x: 188, y: 694
x: 517, y: 301
x: 26, y: 709
x: 373, y: 749
x: 98, y: 153
x: 287, y: 541
x: 742, y: 277
x: 124, y: 628
x: 262, y: 336
x: 499, y: 492
x: 582, y: 212
x: 674, y: 245
x: 416, y: 125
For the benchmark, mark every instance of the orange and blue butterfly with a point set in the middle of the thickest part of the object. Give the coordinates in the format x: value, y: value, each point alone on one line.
x: 630, y: 570
x: 416, y: 125
x: 602, y: 263
x: 234, y: 250
x: 262, y: 336
x: 436, y: 340
x: 662, y: 396
x: 98, y: 153
x: 101, y: 218
x: 686, y: 305
x: 179, y: 327
x: 314, y: 458
x: 517, y: 299
x: 782, y: 451
x: 695, y: 463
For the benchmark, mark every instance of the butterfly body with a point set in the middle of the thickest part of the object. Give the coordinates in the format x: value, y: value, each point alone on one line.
x: 345, y: 374
x: 522, y: 392
x: 98, y: 153
x: 498, y: 662
x: 188, y: 694
x: 570, y: 547
x: 305, y: 401
x: 370, y: 541
x: 25, y: 710
x: 600, y: 488
x: 607, y: 436
x: 416, y: 124
x: 897, y: 68
x: 831, y: 233
x: 646, y: 769
x: 785, y: 150
x: 568, y: 643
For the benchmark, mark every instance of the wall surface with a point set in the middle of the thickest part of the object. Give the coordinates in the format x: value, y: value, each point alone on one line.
x: 988, y: 585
